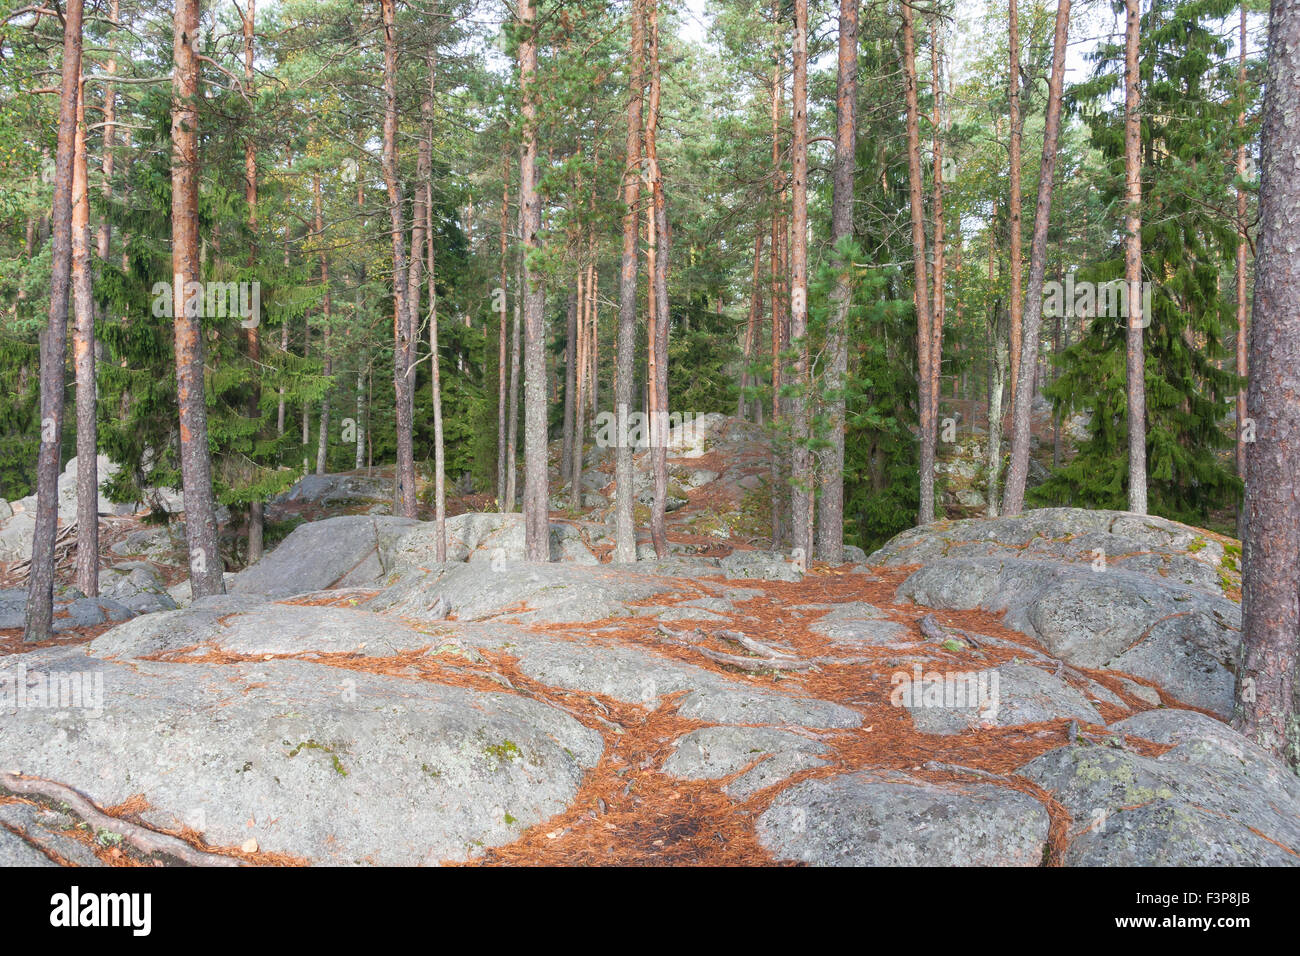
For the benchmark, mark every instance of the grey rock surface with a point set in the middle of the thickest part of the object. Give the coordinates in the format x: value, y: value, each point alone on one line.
x: 888, y: 818
x: 332, y: 766
x: 713, y: 752
x: 1215, y: 799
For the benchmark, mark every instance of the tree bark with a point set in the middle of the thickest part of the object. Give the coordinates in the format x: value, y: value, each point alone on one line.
x: 802, y: 494
x: 920, y: 281
x: 322, y: 448
x: 658, y: 343
x: 937, y: 296
x: 624, y: 479
x: 1243, y: 345
x: 196, y: 461
x: 1135, y: 365
x: 500, y: 302
x: 83, y: 350
x: 1015, y: 260
x: 570, y: 372
x: 39, y: 620
x: 536, y: 497
x: 1013, y: 497
x: 776, y: 267
x: 252, y: 335
x: 830, y: 525
x: 512, y: 438
x: 1267, y: 709
x: 404, y: 493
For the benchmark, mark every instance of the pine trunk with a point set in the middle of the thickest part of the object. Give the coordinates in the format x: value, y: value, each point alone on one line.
x: 830, y: 524
x: 1268, y: 696
x: 1013, y: 497
x: 624, y: 479
x: 536, y: 497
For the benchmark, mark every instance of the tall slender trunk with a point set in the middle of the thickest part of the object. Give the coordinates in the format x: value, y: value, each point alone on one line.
x: 435, y: 366
x: 1135, y: 365
x: 322, y: 448
x: 570, y: 369
x: 284, y: 344
x: 404, y: 491
x: 1013, y: 497
x: 196, y: 462
x: 83, y: 351
x: 39, y: 620
x: 830, y: 524
x: 536, y: 497
x: 1016, y: 264
x: 937, y: 296
x: 803, y: 491
x: 776, y: 266
x: 500, y: 302
x: 658, y: 343
x: 751, y: 328
x: 1268, y: 694
x: 574, y: 462
x: 624, y: 523
x: 252, y: 334
x: 1242, y: 237
x: 920, y: 280
x: 512, y: 438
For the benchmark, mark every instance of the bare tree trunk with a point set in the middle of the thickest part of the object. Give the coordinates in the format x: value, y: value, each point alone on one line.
x: 779, y: 486
x: 83, y: 351
x: 1013, y: 498
x: 1015, y: 259
x: 1242, y: 237
x: 284, y: 343
x: 574, y: 462
x: 936, y: 339
x: 39, y: 620
x: 252, y: 334
x: 803, y: 490
x: 659, y: 277
x: 512, y: 439
x: 500, y: 303
x: 196, y: 462
x: 624, y: 523
x: 751, y: 328
x: 322, y: 448
x: 1268, y: 696
x: 570, y: 371
x: 830, y: 525
x: 998, y: 382
x: 921, y: 282
x: 1136, y: 363
x: 403, y: 347
x: 536, y: 497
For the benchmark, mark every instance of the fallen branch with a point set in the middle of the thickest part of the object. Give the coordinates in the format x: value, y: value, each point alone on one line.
x: 749, y: 644
x: 756, y: 663
x: 142, y: 838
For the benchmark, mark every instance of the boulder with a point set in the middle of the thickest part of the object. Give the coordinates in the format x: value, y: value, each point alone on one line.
x: 1214, y: 799
x: 1101, y: 589
x: 347, y: 551
x: 137, y: 585
x: 889, y: 818
x: 327, y: 765
x: 760, y: 566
